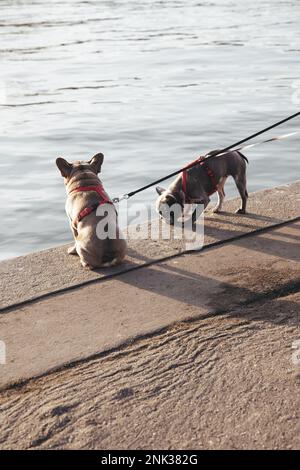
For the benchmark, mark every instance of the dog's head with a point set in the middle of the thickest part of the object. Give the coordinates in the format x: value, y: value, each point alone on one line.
x: 68, y: 170
x: 169, y: 205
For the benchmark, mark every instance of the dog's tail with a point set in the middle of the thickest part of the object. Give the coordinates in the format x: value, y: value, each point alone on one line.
x: 109, y: 264
x: 111, y: 259
x: 243, y: 156
x: 212, y: 153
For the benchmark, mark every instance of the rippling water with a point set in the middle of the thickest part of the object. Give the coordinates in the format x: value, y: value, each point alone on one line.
x: 149, y: 83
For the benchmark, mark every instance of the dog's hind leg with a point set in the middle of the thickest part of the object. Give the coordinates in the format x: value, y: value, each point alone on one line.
x: 240, y: 181
x: 221, y: 195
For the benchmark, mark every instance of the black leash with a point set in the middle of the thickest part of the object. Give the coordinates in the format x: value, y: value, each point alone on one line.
x: 230, y: 147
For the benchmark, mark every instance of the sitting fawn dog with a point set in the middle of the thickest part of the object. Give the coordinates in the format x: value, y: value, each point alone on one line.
x: 195, y: 185
x: 85, y: 194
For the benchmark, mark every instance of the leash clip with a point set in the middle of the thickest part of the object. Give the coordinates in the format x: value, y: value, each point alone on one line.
x: 121, y: 198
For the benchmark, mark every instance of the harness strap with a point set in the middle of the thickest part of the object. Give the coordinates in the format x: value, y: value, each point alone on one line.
x: 184, y: 178
x: 99, y: 189
x: 88, y: 210
x: 212, y: 177
x: 209, y: 172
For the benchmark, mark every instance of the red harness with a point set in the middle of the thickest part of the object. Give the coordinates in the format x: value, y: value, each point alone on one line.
x: 209, y: 173
x: 88, y: 210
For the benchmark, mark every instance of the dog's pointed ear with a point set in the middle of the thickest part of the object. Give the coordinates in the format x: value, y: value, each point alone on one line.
x: 64, y: 167
x: 160, y: 190
x: 96, y: 162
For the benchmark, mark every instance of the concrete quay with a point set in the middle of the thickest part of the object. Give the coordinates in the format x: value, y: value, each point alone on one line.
x: 193, y: 351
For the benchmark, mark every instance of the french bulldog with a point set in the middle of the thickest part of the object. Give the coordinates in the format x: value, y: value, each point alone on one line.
x: 195, y: 185
x: 85, y: 193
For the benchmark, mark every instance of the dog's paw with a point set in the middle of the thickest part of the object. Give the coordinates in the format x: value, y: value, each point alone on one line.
x: 240, y: 211
x: 208, y: 210
x: 216, y: 210
x: 86, y: 265
x: 72, y: 250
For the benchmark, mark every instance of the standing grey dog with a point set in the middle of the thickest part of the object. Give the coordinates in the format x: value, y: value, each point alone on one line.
x: 195, y: 185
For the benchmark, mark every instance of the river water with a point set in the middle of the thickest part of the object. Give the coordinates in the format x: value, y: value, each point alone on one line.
x: 151, y: 84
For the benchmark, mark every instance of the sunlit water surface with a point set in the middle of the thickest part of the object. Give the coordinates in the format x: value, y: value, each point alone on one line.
x: 149, y: 83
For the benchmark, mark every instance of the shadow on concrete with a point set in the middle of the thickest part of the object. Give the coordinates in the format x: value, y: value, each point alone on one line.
x: 264, y: 281
x: 270, y: 242
x: 197, y: 290
x: 213, y: 229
